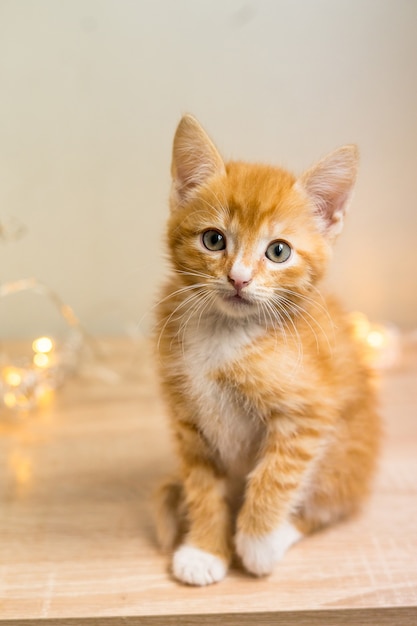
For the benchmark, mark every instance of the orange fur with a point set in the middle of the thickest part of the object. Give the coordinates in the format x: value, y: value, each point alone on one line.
x: 270, y: 402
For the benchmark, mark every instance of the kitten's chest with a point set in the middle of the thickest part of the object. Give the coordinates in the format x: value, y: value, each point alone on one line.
x: 226, y: 420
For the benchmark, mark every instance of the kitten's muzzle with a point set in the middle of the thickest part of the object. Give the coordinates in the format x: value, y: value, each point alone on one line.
x: 238, y: 283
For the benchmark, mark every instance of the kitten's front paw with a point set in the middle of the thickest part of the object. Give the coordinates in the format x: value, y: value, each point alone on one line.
x: 259, y: 554
x: 197, y: 567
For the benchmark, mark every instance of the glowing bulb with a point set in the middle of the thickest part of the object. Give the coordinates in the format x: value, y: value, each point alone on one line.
x: 12, y: 376
x: 41, y: 360
x: 44, y: 395
x: 376, y: 339
x: 361, y: 324
x: 382, y: 342
x: 42, y: 345
x: 10, y: 399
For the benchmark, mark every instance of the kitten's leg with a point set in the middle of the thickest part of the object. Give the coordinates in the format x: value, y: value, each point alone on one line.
x: 343, y: 478
x: 264, y: 527
x: 170, y: 513
x: 260, y: 553
x: 205, y: 555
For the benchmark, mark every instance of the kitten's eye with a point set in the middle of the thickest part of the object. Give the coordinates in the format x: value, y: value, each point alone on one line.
x: 213, y: 240
x: 278, y: 251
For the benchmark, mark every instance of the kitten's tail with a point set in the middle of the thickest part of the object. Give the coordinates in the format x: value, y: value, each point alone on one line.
x: 170, y: 513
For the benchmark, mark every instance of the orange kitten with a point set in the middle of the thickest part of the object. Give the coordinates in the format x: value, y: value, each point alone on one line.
x: 270, y: 403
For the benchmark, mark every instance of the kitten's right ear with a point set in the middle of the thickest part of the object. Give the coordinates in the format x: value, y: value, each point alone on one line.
x: 329, y: 186
x: 195, y: 159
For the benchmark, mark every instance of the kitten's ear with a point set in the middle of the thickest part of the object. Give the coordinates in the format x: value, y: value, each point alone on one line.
x: 329, y: 185
x: 194, y: 159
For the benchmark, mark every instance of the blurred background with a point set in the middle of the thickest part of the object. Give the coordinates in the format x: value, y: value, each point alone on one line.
x: 90, y: 95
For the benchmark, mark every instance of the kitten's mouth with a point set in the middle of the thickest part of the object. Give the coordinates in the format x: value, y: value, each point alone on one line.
x: 236, y: 305
x: 237, y: 300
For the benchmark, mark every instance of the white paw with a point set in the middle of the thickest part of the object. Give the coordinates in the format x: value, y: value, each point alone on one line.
x: 259, y: 554
x: 197, y: 567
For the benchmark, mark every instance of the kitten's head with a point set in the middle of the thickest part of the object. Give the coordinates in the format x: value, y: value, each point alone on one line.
x: 252, y: 240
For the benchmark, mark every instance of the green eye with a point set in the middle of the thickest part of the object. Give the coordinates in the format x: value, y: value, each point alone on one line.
x: 278, y: 251
x: 213, y: 240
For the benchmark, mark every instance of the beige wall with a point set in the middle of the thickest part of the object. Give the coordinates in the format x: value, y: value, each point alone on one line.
x: 91, y: 91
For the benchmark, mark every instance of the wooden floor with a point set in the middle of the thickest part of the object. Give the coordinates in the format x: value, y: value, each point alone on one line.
x: 76, y: 535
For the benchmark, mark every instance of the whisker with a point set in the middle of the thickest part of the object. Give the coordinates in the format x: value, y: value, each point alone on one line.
x: 287, y: 318
x: 298, y: 310
x: 304, y: 314
x: 178, y: 292
x: 211, y: 297
x: 188, y: 272
x: 183, y: 303
x: 198, y: 306
x: 275, y: 320
x: 320, y: 306
x: 172, y: 294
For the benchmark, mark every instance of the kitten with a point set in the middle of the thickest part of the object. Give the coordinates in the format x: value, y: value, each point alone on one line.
x: 270, y: 403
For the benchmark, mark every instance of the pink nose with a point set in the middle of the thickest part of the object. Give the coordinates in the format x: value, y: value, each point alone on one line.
x: 238, y: 282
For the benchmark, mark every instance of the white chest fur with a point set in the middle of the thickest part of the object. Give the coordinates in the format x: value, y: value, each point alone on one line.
x: 232, y: 430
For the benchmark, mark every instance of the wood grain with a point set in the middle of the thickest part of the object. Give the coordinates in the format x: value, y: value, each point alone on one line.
x: 76, y: 534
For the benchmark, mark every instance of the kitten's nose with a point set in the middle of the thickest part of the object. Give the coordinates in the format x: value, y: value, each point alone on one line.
x: 238, y: 282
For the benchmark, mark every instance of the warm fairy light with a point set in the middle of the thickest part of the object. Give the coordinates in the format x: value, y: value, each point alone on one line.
x: 44, y: 395
x: 42, y: 345
x: 377, y: 339
x: 381, y: 341
x: 41, y: 360
x: 12, y: 376
x: 28, y: 381
x: 361, y: 324
x: 10, y: 399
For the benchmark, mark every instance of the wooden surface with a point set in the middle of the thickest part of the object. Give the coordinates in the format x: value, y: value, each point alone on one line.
x: 76, y: 534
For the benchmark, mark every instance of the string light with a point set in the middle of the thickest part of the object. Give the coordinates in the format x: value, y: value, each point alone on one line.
x: 9, y: 399
x: 29, y: 384
x: 376, y: 339
x: 12, y: 376
x: 42, y: 345
x: 30, y: 380
x: 41, y: 360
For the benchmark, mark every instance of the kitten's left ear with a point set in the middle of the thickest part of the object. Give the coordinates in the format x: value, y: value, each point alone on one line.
x: 194, y: 159
x: 329, y: 185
